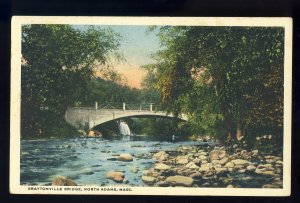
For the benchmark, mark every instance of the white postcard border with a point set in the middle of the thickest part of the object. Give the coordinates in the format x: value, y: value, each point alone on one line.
x: 17, y: 21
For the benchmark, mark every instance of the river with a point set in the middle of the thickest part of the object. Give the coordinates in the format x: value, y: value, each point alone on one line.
x: 87, y: 161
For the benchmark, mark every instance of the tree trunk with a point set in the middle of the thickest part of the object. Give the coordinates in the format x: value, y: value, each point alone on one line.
x: 239, y: 131
x: 227, y: 123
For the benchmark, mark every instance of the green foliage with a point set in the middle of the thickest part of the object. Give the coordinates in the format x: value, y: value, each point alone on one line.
x: 58, y: 62
x: 224, y: 78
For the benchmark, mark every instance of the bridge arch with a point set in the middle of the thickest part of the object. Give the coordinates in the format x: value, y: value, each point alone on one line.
x: 140, y: 116
x: 90, y: 117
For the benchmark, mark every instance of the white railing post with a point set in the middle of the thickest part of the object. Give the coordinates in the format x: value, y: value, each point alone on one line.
x: 151, y: 107
x: 96, y: 105
x: 124, y: 106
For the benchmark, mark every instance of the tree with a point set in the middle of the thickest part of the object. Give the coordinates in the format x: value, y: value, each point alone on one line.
x: 58, y: 61
x: 223, y: 75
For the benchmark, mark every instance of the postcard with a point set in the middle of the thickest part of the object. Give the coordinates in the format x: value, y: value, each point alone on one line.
x: 185, y: 106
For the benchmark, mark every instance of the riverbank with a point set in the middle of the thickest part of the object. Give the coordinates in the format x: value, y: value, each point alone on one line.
x: 231, y: 167
x: 195, y: 165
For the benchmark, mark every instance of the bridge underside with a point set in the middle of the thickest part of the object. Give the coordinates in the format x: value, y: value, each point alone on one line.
x: 142, y: 116
x: 88, y: 118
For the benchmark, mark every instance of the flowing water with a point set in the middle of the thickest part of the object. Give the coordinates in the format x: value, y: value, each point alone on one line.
x: 86, y: 161
x: 124, y: 128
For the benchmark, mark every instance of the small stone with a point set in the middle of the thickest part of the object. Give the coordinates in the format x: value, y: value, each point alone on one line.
x: 203, y: 153
x: 264, y: 172
x: 162, y: 184
x: 217, y: 166
x: 189, y: 164
x: 204, y: 169
x: 148, y: 179
x: 159, y: 154
x: 180, y: 181
x: 242, y: 171
x: 194, y: 166
x: 125, y: 157
x: 220, y: 170
x: 240, y: 162
x: 230, y: 186
x: 162, y: 167
x: 182, y: 160
x: 213, y: 155
x: 268, y: 165
x: 215, y: 161
x: 197, y: 161
x: 251, y: 168
x: 202, y: 157
x: 204, y: 162
x: 62, y: 181
x: 229, y: 165
x: 268, y: 186
x: 195, y: 175
x: 270, y: 161
x: 222, y: 154
x: 223, y: 161
x: 115, y: 176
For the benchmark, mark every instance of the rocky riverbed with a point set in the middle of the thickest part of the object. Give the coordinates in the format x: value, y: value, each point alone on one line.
x: 196, y: 166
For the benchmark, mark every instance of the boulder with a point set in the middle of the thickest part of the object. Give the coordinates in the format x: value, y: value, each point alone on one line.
x: 215, y: 161
x: 148, y: 179
x: 217, y: 154
x: 202, y: 157
x: 159, y: 154
x: 145, y: 172
x: 254, y: 152
x: 270, y: 161
x: 263, y: 171
x: 197, y: 161
x: 213, y: 155
x: 116, y: 176
x: 162, y: 184
x: 268, y: 186
x: 196, y: 175
x: 220, y: 170
x: 62, y: 181
x: 91, y: 134
x: 192, y: 165
x: 180, y: 181
x: 229, y: 165
x: 224, y: 160
x: 251, y: 168
x: 222, y: 154
x: 182, y: 160
x: 203, y: 153
x: 161, y: 166
x: 240, y: 162
x: 125, y: 157
x: 205, y: 167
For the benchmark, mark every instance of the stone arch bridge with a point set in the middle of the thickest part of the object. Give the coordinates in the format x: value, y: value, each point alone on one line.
x: 91, y: 116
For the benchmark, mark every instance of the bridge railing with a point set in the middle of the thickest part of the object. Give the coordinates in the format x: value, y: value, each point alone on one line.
x: 124, y: 106
x: 130, y: 106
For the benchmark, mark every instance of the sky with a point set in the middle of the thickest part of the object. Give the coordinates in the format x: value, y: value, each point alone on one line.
x: 137, y: 46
